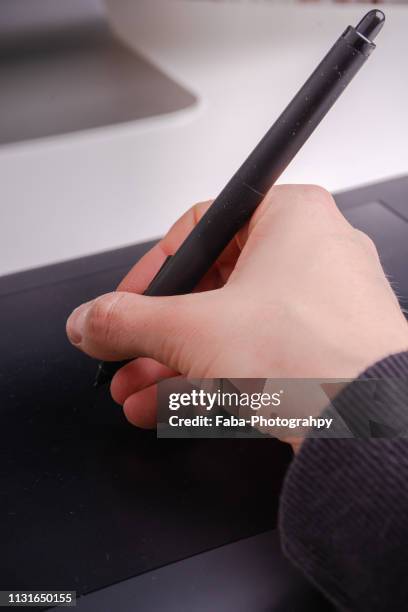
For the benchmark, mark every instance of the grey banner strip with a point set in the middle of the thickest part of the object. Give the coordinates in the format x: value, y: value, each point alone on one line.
x: 231, y: 408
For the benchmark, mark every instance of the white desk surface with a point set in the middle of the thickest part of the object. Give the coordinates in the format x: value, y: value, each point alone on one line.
x: 74, y: 195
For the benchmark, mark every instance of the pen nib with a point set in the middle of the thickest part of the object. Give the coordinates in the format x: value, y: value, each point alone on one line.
x: 101, y: 377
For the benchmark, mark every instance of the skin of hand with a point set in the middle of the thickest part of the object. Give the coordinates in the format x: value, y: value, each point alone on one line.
x: 298, y: 293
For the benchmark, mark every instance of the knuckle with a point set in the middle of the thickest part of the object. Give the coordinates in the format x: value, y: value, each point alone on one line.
x: 316, y: 192
x: 297, y: 195
x: 365, y: 241
x: 102, y: 317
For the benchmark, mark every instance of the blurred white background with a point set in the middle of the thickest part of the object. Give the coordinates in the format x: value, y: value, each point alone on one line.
x: 322, y: 1
x: 71, y: 195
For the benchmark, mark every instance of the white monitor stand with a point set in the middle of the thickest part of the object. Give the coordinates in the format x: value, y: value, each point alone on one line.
x: 62, y: 69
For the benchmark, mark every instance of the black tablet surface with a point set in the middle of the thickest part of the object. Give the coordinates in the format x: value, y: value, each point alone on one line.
x: 86, y: 500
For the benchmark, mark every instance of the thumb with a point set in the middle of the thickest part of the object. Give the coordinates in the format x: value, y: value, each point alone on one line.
x: 123, y: 325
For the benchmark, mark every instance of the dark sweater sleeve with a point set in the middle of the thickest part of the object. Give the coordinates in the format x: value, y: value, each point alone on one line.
x: 344, y: 505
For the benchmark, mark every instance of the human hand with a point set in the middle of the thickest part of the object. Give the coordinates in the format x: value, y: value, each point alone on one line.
x: 299, y: 293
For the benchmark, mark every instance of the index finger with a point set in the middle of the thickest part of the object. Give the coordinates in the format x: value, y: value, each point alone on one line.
x: 139, y: 277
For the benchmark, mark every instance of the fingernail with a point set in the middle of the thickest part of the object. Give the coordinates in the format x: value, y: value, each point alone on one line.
x: 76, y: 322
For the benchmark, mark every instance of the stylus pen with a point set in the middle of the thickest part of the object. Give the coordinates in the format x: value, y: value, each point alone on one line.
x: 245, y: 191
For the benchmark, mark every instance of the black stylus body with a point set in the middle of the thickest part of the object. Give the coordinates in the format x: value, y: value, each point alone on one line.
x: 245, y: 191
